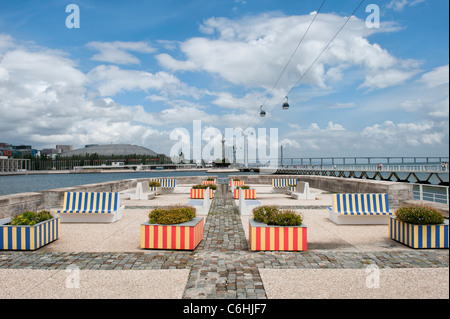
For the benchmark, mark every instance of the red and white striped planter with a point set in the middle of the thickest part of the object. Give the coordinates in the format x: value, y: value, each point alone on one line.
x: 185, y: 236
x: 277, y: 238
x: 248, y: 193
x: 200, y: 193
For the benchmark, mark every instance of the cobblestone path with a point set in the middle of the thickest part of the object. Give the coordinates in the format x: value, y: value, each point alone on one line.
x: 222, y: 266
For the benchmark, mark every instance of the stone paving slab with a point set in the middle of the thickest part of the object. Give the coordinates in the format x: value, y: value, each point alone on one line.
x: 222, y: 266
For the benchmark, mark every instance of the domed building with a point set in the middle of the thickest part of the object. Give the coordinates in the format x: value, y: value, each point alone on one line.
x: 111, y: 150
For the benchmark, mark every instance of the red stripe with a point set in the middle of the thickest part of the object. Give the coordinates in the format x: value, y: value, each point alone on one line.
x: 286, y: 239
x: 267, y: 230
x: 304, y: 238
x: 155, y: 236
x: 174, y: 238
x: 164, y: 234
x: 147, y: 239
x: 258, y: 238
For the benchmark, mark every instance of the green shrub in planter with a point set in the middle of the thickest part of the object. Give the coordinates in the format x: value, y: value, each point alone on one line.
x: 419, y: 214
x: 29, y: 218
x: 286, y: 218
x: 172, y: 215
x: 210, y: 179
x: 154, y: 184
x: 271, y: 215
x: 243, y: 187
x: 201, y: 186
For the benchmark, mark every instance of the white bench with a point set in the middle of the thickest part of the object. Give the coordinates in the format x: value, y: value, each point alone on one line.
x: 142, y: 192
x: 303, y: 192
x: 246, y: 205
x: 202, y: 206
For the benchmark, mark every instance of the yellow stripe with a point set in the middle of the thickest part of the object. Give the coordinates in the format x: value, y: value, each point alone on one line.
x: 160, y: 235
x: 433, y: 237
x: 335, y: 199
x: 66, y: 204
x: 359, y: 202
x: 424, y: 236
x: 272, y: 238
x: 383, y: 202
x: 151, y: 235
x: 291, y: 238
x: 441, y: 235
x: 142, y: 236
x: 177, y: 230
x: 186, y: 238
x: 280, y: 239
x: 89, y: 205
x: 32, y: 242
x: 354, y: 203
x: 416, y: 238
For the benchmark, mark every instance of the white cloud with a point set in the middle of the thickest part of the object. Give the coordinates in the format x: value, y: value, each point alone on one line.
x: 117, y: 52
x: 253, y: 51
x: 400, y: 5
x: 437, y: 77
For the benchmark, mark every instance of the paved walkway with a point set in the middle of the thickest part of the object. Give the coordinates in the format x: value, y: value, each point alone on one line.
x: 222, y: 266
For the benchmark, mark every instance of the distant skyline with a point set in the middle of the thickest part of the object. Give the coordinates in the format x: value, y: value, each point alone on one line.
x: 135, y: 70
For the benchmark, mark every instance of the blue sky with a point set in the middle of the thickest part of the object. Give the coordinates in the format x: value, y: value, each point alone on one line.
x: 136, y: 70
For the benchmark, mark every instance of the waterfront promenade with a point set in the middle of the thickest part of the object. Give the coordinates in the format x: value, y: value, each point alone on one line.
x: 105, y: 261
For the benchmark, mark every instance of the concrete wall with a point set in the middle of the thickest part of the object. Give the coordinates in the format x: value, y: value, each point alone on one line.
x: 17, y: 203
x: 398, y: 192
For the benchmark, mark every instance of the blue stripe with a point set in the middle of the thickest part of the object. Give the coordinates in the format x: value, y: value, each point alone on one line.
x: 428, y: 243
x: 437, y: 235
x: 446, y: 236
x: 10, y: 230
x: 27, y: 238
x: 386, y: 198
x: 420, y: 239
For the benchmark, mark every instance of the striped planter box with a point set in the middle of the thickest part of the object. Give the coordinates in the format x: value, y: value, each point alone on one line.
x: 21, y: 237
x: 200, y: 193
x: 184, y: 236
x: 236, y: 183
x: 277, y: 238
x: 165, y: 182
x: 283, y: 182
x: 419, y: 236
x: 248, y: 193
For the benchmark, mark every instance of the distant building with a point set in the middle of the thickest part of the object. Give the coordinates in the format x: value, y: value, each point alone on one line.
x: 64, y: 148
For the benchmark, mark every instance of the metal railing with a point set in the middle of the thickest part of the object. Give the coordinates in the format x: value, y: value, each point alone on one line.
x: 431, y: 193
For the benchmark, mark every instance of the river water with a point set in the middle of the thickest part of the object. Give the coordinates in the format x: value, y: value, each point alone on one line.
x: 14, y: 184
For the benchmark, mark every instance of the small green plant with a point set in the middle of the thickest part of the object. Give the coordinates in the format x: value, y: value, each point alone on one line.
x: 236, y: 179
x: 243, y: 187
x: 172, y: 215
x: 419, y: 214
x: 30, y: 218
x: 286, y: 218
x: 154, y: 184
x: 201, y: 186
x: 210, y: 179
x: 271, y: 215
